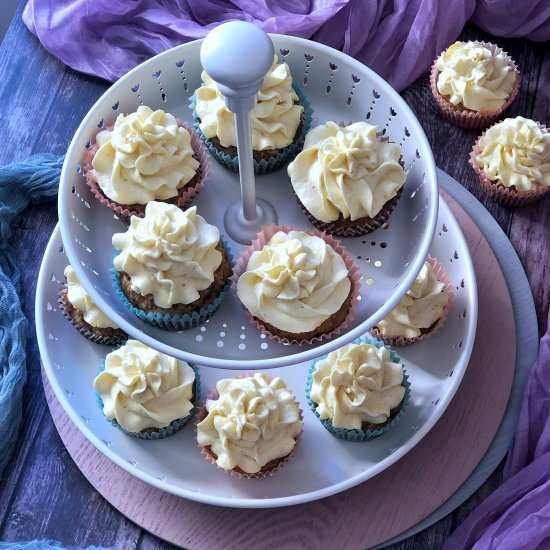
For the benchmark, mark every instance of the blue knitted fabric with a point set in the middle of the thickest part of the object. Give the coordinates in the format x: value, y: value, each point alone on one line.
x: 40, y: 544
x: 33, y: 180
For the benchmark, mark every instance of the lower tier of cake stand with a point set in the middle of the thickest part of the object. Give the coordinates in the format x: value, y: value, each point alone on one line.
x: 385, y: 505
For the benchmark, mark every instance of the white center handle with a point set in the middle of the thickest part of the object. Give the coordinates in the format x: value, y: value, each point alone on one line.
x: 237, y: 55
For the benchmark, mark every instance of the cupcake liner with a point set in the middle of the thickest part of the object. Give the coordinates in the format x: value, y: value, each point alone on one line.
x: 274, y: 162
x: 185, y: 194
x: 356, y: 434
x: 156, y: 433
x: 366, y: 227
x: 209, y: 455
x: 501, y: 194
x: 401, y: 341
x: 262, y: 238
x: 174, y: 322
x: 112, y: 340
x: 473, y: 119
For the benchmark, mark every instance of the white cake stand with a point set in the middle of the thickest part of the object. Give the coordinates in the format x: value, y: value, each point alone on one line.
x: 323, y: 465
x: 340, y: 89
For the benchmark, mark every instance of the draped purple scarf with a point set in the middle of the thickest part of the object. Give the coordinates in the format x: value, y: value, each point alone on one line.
x: 397, y: 38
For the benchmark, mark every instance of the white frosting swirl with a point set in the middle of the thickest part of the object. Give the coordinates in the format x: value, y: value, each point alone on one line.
x: 420, y: 308
x: 472, y: 76
x: 346, y: 172
x: 169, y: 253
x: 295, y: 282
x: 356, y: 384
x: 273, y: 121
x: 142, y: 388
x: 80, y: 300
x: 145, y: 157
x: 254, y: 420
x: 516, y: 152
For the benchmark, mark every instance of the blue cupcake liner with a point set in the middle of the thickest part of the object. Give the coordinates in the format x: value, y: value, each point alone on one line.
x: 274, y: 162
x: 356, y: 434
x: 158, y: 433
x: 175, y: 322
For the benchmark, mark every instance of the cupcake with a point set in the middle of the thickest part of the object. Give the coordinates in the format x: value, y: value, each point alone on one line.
x: 146, y: 156
x: 473, y: 83
x: 297, y: 287
x: 85, y: 316
x: 358, y: 391
x: 422, y: 311
x: 346, y: 180
x: 278, y: 121
x: 512, y: 160
x: 145, y: 393
x: 172, y: 269
x: 250, y: 426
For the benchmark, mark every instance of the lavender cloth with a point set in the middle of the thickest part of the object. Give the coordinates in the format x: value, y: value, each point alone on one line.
x: 517, y: 515
x: 399, y: 39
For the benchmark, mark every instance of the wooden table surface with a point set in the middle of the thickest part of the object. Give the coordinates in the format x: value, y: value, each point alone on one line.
x: 42, y: 102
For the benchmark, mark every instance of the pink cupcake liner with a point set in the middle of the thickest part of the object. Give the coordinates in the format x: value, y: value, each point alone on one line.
x: 93, y: 337
x: 209, y: 455
x: 262, y: 238
x: 401, y: 341
x: 473, y: 119
x: 185, y: 195
x: 501, y: 194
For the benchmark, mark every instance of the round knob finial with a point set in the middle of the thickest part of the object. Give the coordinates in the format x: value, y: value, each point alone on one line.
x: 237, y: 55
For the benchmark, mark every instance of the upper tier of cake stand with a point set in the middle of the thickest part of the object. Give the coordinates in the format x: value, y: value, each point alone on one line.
x: 339, y: 89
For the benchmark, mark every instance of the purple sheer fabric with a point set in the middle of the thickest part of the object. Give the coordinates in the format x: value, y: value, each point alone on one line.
x: 397, y: 38
x: 517, y: 514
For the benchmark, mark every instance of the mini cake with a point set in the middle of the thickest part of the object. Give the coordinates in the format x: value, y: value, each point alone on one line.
x: 82, y: 312
x: 146, y: 393
x: 421, y: 312
x: 146, y: 156
x: 512, y: 160
x: 173, y: 267
x: 358, y: 391
x: 250, y: 426
x: 473, y: 83
x: 278, y: 121
x: 297, y: 287
x: 346, y: 180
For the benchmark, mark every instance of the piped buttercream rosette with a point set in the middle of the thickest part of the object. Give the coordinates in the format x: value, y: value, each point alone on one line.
x: 468, y: 118
x: 263, y: 238
x: 348, y: 178
x: 247, y: 406
x: 359, y: 391
x: 181, y: 194
x: 510, y: 196
x: 440, y: 312
x: 146, y: 394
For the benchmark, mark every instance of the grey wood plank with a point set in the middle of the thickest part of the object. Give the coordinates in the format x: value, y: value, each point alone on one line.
x: 56, y: 502
x: 530, y: 228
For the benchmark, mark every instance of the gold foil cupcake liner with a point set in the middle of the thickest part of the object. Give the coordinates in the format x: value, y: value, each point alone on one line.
x: 185, y: 194
x: 401, y: 341
x: 506, y: 196
x: 262, y: 238
x: 90, y: 335
x: 211, y: 457
x: 473, y: 119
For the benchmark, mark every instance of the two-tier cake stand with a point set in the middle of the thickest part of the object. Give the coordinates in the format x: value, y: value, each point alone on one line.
x: 339, y: 89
